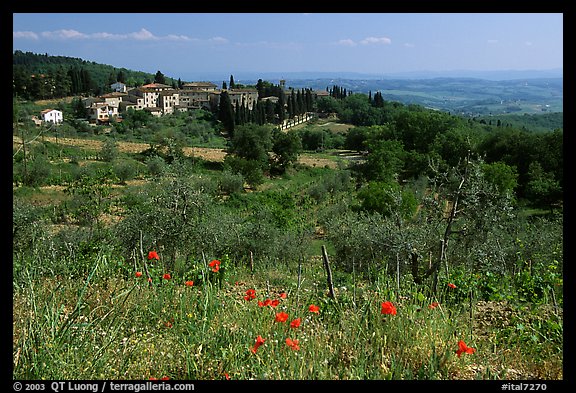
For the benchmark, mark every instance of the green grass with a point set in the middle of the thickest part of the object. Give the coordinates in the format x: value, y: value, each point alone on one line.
x: 110, y: 325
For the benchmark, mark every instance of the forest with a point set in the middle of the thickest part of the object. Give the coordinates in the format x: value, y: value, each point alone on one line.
x: 429, y: 231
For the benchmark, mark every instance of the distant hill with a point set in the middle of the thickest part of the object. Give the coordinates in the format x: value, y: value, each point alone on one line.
x: 466, y: 96
x: 531, y: 92
x: 29, y: 67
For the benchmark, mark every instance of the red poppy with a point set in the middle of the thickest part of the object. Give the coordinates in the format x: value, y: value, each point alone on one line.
x: 462, y: 347
x: 189, y: 283
x: 250, y: 294
x: 215, y: 265
x: 292, y: 343
x: 274, y: 303
x: 166, y: 276
x: 164, y: 378
x: 433, y: 305
x: 226, y: 376
x: 388, y: 308
x: 138, y: 274
x: 282, y: 295
x: 153, y: 255
x: 259, y: 341
x: 295, y: 323
x: 149, y: 279
x: 452, y: 285
x: 314, y: 309
x: 281, y: 317
x: 152, y: 379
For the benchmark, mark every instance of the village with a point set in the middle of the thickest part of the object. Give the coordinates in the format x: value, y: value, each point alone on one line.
x: 160, y: 99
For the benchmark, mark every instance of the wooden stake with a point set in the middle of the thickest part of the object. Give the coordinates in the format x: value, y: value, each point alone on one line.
x: 328, y: 273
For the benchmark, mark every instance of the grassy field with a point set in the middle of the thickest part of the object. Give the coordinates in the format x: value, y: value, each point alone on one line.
x: 126, y: 318
x: 109, y: 326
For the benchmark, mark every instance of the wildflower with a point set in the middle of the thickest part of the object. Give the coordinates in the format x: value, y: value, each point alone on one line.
x: 314, y: 309
x: 274, y: 303
x: 281, y: 317
x: 433, y: 305
x: 264, y: 303
x: 226, y: 376
x: 250, y: 294
x: 166, y: 276
x: 215, y: 265
x: 388, y: 308
x: 292, y: 343
x: 282, y: 295
x: 164, y: 378
x: 462, y: 347
x: 138, y: 274
x: 295, y: 323
x: 259, y: 341
x: 451, y: 285
x: 153, y: 255
x: 149, y: 279
x: 189, y: 283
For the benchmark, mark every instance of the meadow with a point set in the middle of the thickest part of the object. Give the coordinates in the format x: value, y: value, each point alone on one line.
x: 129, y: 265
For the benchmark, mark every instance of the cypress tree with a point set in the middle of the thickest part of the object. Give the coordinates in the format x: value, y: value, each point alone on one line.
x: 226, y: 113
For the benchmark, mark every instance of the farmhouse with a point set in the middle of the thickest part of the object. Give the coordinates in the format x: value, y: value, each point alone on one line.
x: 51, y: 116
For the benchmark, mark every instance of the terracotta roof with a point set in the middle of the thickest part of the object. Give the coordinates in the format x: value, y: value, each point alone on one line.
x: 155, y: 85
x: 196, y: 84
x: 48, y: 110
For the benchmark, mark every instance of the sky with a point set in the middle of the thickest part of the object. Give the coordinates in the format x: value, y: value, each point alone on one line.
x: 192, y: 45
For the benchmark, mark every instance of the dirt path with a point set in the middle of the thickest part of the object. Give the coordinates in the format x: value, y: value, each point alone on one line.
x: 206, y: 153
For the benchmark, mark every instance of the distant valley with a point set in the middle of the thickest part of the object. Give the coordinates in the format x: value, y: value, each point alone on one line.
x: 465, y: 96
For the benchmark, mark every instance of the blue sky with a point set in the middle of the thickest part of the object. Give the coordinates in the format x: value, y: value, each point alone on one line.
x: 189, y: 45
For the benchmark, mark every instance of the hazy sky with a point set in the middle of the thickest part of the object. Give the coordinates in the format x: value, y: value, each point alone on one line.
x: 186, y: 45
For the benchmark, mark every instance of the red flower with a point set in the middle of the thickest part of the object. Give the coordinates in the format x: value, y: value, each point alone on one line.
x: 282, y: 295
x: 149, y: 279
x: 153, y: 255
x: 281, y: 317
x: 215, y: 265
x: 138, y: 274
x: 259, y: 341
x: 314, y: 309
x: 166, y: 276
x: 292, y: 344
x: 388, y: 308
x: 189, y: 283
x: 274, y: 303
x: 452, y: 285
x: 226, y: 376
x: 462, y: 347
x: 295, y: 323
x: 433, y: 305
x: 164, y: 378
x: 250, y: 294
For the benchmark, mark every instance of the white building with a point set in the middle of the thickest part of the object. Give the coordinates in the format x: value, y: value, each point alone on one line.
x: 118, y: 87
x: 52, y: 115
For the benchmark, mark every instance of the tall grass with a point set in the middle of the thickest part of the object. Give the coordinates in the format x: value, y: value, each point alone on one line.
x: 109, y: 325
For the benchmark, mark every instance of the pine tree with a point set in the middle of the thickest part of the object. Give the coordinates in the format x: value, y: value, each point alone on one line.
x: 232, y: 85
x: 121, y: 77
x: 160, y: 78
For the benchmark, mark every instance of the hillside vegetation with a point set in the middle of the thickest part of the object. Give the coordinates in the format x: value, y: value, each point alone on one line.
x: 379, y: 241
